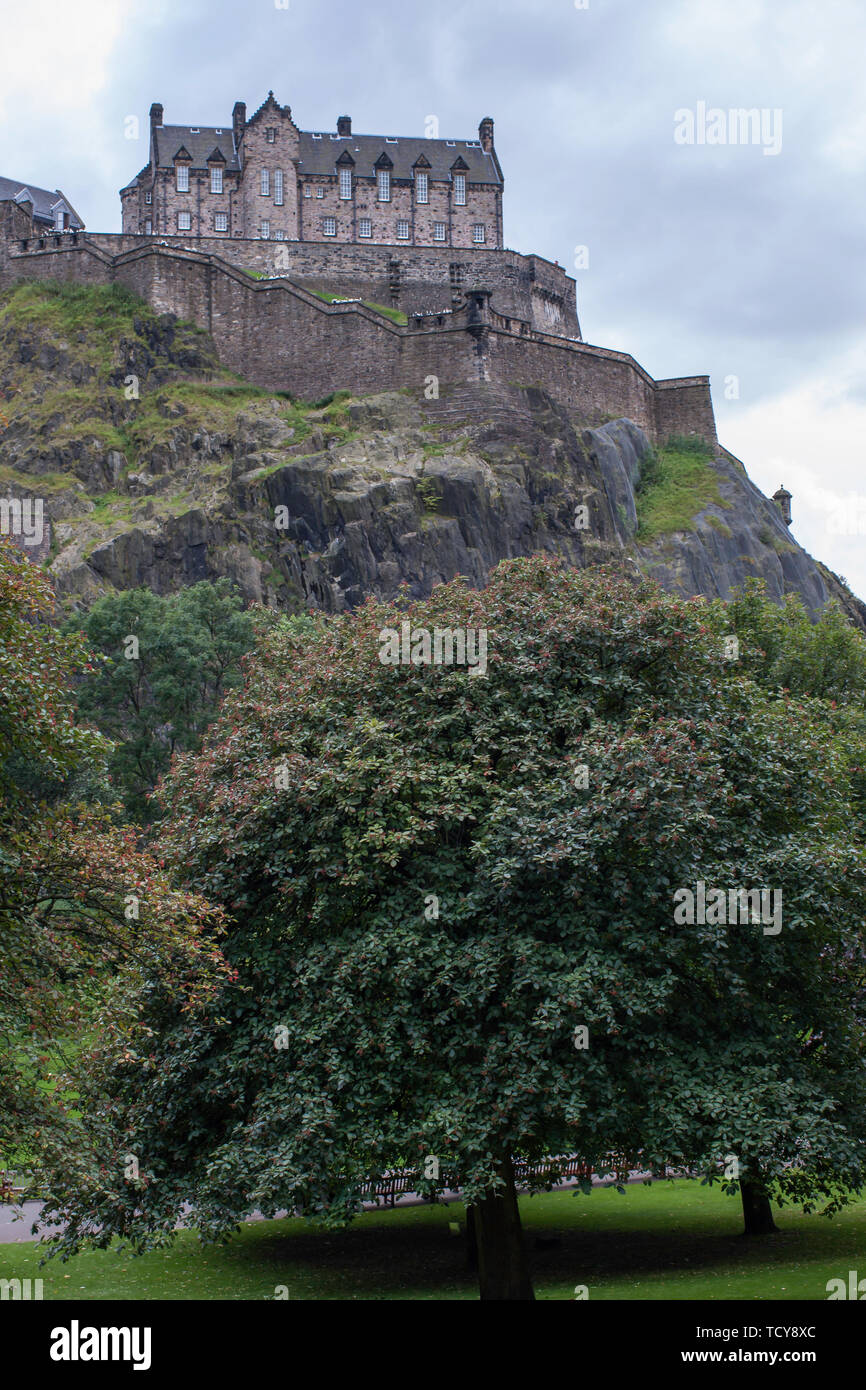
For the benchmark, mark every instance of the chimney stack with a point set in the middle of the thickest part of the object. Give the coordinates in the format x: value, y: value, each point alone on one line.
x: 239, y: 120
x: 344, y: 125
x: 485, y: 134
x: 155, y: 115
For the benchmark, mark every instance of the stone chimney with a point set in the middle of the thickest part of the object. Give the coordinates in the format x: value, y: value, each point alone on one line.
x: 782, y: 499
x: 239, y: 120
x: 155, y: 115
x: 344, y: 125
x: 485, y: 133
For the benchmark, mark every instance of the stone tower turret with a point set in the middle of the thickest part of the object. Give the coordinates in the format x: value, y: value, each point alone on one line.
x: 782, y: 499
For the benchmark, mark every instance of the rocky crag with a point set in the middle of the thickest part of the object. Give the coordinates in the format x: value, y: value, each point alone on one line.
x: 157, y: 467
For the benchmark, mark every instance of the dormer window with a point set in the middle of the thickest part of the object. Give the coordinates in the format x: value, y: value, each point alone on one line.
x: 383, y: 185
x: 345, y: 183
x: 460, y: 189
x: 422, y: 188
x: 182, y: 171
x: 216, y: 179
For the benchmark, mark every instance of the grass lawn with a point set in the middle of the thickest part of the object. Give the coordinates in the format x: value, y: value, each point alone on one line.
x: 668, y: 1241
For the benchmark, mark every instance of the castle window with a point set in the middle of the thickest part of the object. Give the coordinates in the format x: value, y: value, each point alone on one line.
x: 265, y: 183
x: 148, y: 198
x: 438, y: 231
x: 460, y: 189
x: 278, y: 187
x: 265, y: 233
x: 270, y: 135
x: 345, y: 183
x: 320, y: 192
x: 329, y: 226
x: 216, y: 180
x: 308, y: 192
x: 148, y: 228
x: 384, y: 185
x: 184, y: 221
x: 421, y: 188
x: 402, y: 231
x: 221, y: 222
x: 279, y: 234
x: 365, y: 226
x: 183, y: 178
x: 478, y: 232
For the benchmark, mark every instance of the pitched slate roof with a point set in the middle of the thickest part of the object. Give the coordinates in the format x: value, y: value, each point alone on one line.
x: 320, y: 155
x: 43, y: 199
x: 199, y: 144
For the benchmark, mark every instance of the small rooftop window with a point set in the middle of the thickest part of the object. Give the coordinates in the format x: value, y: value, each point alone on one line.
x: 316, y: 137
x: 391, y: 139
x: 195, y: 130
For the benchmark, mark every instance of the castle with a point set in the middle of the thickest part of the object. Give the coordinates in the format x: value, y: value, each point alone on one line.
x: 265, y: 178
x: 323, y: 261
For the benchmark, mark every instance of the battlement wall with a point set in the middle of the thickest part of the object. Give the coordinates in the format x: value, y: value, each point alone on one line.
x: 415, y: 279
x: 279, y: 335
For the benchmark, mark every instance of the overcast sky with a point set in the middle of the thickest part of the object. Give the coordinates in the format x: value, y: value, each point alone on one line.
x: 702, y: 257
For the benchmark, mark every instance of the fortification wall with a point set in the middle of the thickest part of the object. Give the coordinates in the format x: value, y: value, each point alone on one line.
x: 279, y: 335
x: 422, y: 279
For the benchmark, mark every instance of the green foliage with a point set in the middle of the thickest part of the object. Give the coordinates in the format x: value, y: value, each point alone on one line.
x: 677, y: 481
x: 429, y: 493
x: 190, y: 646
x: 336, y: 797
x: 784, y: 649
x: 66, y: 873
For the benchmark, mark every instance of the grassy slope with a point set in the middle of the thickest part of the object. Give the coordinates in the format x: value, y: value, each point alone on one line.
x: 670, y: 1241
x: 88, y: 323
x: 677, y: 483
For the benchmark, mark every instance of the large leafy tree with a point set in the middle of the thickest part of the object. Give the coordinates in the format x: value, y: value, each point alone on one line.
x: 436, y: 880
x: 161, y: 666
x: 81, y: 907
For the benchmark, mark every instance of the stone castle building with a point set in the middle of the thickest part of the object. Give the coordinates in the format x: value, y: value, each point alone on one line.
x: 328, y: 261
x: 264, y: 178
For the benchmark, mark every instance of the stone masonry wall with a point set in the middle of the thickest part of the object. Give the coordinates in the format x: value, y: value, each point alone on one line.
x: 415, y: 279
x: 280, y: 336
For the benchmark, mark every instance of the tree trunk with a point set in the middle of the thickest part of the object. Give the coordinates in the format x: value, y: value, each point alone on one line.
x: 471, y: 1239
x: 757, y: 1212
x: 503, y: 1269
